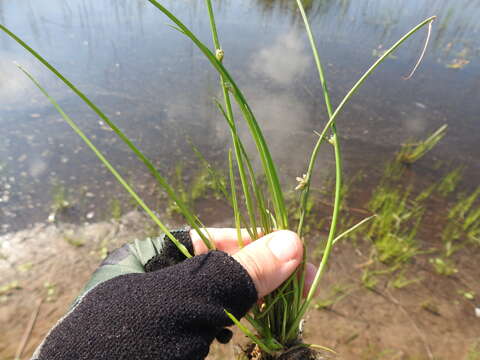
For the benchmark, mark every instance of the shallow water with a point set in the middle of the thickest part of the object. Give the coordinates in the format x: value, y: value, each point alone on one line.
x: 158, y: 88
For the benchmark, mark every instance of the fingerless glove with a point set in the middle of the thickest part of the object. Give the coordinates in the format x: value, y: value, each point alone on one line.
x: 174, y: 311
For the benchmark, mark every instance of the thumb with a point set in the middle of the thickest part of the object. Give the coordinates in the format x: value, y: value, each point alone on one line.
x: 271, y: 259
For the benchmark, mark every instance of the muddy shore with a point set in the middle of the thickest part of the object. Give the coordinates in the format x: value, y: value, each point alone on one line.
x: 43, y: 268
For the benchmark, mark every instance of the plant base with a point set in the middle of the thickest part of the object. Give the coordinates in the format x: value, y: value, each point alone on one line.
x: 252, y: 352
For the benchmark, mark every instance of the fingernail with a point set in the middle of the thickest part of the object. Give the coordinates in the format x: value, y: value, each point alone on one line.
x: 284, y: 245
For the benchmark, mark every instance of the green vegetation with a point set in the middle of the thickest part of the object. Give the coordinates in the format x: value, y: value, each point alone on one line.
x: 51, y: 291
x: 206, y: 183
x: 8, y: 288
x: 277, y: 321
x: 400, y: 208
x: 116, y: 210
x: 450, y: 182
x: 369, y: 281
x: 59, y: 200
x: 76, y: 242
x: 25, y: 267
x: 444, y: 266
x: 394, y: 229
x: 412, y: 152
x: 431, y: 307
x: 467, y: 294
x: 474, y: 351
x: 400, y: 281
x: 337, y: 293
x: 463, y: 223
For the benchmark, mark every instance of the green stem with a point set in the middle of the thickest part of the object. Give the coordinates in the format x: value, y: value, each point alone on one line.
x: 193, y: 222
x: 231, y: 121
x: 264, y: 152
x: 344, y: 101
x: 236, y: 212
x: 109, y: 166
x: 338, y: 173
x: 306, y: 192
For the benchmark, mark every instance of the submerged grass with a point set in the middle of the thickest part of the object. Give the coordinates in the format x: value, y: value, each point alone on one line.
x: 337, y: 293
x: 412, y: 152
x: 463, y: 222
x: 277, y: 321
x: 59, y: 198
x: 393, y: 231
x: 450, y: 182
x: 201, y: 186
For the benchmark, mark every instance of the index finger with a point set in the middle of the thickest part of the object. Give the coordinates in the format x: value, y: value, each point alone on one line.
x: 225, y: 239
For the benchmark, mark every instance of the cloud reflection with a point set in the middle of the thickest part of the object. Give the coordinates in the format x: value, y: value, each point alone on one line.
x: 283, y: 61
x: 13, y: 83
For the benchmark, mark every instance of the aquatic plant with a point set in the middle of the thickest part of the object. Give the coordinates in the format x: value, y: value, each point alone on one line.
x: 412, y: 152
x: 276, y: 322
x: 463, y: 223
x: 444, y: 266
x: 474, y: 351
x: 60, y: 202
x: 393, y: 231
x: 450, y: 181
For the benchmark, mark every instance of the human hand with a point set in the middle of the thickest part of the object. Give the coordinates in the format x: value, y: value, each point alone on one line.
x: 175, y: 309
x: 269, y: 261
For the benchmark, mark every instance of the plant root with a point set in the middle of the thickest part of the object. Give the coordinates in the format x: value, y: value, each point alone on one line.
x: 299, y: 352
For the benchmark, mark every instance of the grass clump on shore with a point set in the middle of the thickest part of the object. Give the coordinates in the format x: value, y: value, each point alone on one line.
x: 277, y: 321
x: 463, y: 222
x: 474, y: 351
x: 444, y: 266
x: 393, y: 231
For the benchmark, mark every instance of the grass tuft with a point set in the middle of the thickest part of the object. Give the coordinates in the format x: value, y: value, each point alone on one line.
x: 450, y: 182
x: 277, y: 321
x: 444, y: 266
x: 393, y: 231
x: 412, y: 152
x: 463, y: 223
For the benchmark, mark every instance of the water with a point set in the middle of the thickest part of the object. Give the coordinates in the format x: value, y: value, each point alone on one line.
x: 158, y: 88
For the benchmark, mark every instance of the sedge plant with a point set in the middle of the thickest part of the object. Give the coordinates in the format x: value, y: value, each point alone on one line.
x: 276, y: 323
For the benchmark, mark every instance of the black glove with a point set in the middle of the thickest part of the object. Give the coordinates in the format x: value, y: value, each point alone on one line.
x: 173, y: 312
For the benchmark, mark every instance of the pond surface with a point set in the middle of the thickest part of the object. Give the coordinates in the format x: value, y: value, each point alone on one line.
x: 159, y: 89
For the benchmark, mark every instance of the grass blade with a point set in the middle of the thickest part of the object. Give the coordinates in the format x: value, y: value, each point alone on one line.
x: 248, y: 333
x: 108, y: 165
x: 220, y: 184
x: 410, y: 153
x: 334, y: 139
x: 357, y: 85
x: 191, y: 219
x: 233, y: 129
x: 264, y: 215
x: 264, y: 152
x: 236, y: 212
x: 352, y: 229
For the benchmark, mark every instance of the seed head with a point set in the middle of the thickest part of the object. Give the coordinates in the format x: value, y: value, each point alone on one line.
x: 332, y: 140
x: 302, y: 182
x: 219, y: 53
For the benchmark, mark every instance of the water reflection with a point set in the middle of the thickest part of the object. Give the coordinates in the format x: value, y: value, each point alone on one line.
x: 384, y: 20
x: 313, y: 8
x: 283, y: 61
x: 159, y: 89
